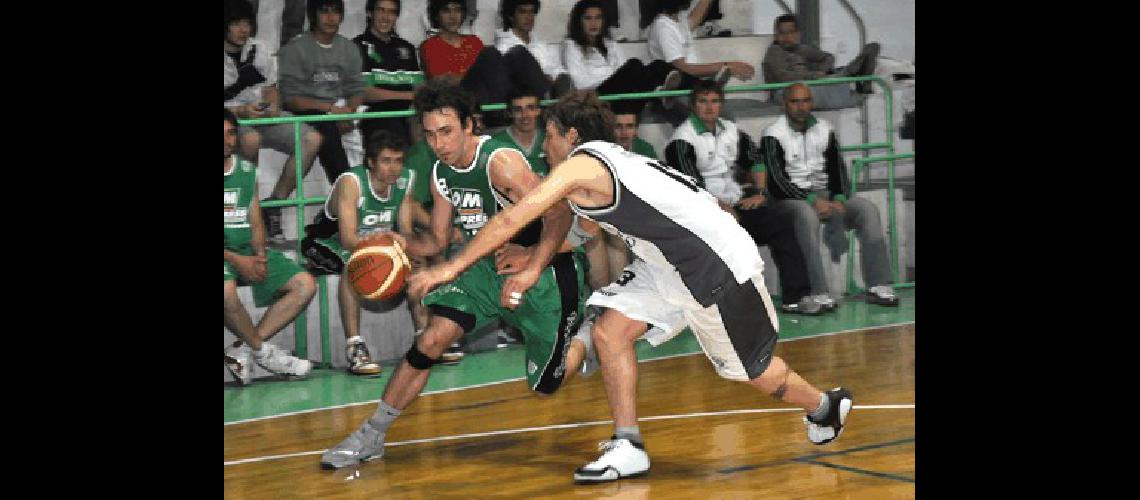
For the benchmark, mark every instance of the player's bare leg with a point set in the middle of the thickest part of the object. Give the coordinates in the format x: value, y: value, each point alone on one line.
x: 784, y: 384
x: 356, y: 351
x: 310, y: 144
x: 827, y: 412
x: 236, y: 318
x: 614, y: 335
x: 349, y: 308
x: 407, y: 382
x: 299, y: 290
x: 367, y: 442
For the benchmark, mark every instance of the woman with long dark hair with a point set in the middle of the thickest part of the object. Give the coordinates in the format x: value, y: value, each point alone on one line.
x: 595, y: 61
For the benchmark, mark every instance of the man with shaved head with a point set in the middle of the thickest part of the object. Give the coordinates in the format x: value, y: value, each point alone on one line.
x: 802, y: 170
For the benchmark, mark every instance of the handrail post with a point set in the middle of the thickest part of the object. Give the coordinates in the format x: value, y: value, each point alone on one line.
x: 300, y: 325
x: 323, y: 306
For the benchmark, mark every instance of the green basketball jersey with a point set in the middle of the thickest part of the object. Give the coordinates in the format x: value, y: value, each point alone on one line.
x: 374, y: 211
x: 536, y: 157
x: 469, y: 189
x: 420, y: 159
x: 240, y: 188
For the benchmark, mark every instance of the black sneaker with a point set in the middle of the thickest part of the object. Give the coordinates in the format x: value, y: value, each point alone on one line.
x: 272, y: 218
x: 831, y: 426
x: 882, y: 295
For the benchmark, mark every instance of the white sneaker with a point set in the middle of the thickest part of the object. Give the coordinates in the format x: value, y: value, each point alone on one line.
x: 621, y: 458
x: 239, y: 360
x: 275, y: 360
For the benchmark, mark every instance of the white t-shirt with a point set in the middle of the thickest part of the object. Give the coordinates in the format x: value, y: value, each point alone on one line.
x: 670, y: 40
x: 591, y: 69
x: 548, y: 59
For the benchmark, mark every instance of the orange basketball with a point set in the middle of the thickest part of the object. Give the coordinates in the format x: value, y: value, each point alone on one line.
x: 378, y: 269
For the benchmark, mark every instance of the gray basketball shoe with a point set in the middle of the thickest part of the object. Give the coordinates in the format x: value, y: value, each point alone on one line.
x: 364, y: 444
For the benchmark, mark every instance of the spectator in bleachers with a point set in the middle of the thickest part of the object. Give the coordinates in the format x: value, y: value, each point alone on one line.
x: 518, y: 22
x: 625, y: 131
x: 788, y: 60
x: 463, y: 60
x: 596, y: 62
x: 250, y: 91
x: 525, y: 132
x: 716, y: 153
x: 671, y: 40
x: 367, y: 201
x: 390, y: 68
x: 277, y: 281
x: 802, y: 167
x: 320, y: 74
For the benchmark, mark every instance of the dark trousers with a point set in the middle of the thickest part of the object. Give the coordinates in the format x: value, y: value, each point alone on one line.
x: 332, y: 155
x: 493, y: 76
x: 634, y: 76
x: 766, y: 228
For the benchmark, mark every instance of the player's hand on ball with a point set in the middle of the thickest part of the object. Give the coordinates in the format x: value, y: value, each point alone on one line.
x: 420, y: 283
x: 515, y: 287
x: 511, y: 258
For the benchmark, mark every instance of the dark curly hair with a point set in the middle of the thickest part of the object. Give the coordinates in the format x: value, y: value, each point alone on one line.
x: 578, y: 34
x: 671, y: 6
x: 237, y: 10
x: 434, y: 6
x: 436, y: 95
x: 507, y: 10
x: 383, y: 139
x: 370, y: 6
x: 315, y: 6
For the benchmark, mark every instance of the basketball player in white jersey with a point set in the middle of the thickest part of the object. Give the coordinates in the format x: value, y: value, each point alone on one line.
x: 691, y: 257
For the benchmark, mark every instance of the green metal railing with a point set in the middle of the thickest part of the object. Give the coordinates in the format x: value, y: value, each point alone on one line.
x: 300, y: 325
x: 892, y: 227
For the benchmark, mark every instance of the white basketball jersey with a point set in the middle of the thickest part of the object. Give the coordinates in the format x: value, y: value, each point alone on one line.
x: 671, y: 223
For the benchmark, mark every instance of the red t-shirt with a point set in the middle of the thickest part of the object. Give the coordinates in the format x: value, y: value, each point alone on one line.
x: 440, y: 58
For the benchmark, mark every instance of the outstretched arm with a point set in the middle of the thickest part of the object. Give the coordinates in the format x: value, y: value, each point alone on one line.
x: 558, y: 185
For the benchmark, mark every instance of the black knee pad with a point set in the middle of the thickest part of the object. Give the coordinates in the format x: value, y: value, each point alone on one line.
x: 418, y: 359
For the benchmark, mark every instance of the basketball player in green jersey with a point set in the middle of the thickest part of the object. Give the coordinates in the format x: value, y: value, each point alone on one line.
x: 277, y: 281
x: 367, y: 201
x: 474, y: 178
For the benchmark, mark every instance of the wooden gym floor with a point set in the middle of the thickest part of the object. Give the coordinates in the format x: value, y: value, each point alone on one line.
x: 706, y: 437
